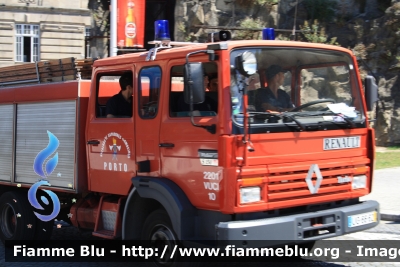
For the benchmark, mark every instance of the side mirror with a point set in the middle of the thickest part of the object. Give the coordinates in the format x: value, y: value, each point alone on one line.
x: 193, y: 76
x: 371, y: 92
x: 246, y: 63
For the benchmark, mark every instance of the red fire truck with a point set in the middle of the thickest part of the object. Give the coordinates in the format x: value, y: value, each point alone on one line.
x: 191, y: 163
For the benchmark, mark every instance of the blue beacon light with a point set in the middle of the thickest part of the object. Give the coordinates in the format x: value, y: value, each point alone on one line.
x: 161, y: 29
x: 268, y: 34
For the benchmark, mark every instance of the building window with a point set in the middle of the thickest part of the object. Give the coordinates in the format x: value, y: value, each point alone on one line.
x: 88, y: 32
x: 27, y: 43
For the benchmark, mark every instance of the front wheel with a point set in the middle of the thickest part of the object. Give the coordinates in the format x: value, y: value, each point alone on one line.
x: 17, y: 221
x: 158, y: 230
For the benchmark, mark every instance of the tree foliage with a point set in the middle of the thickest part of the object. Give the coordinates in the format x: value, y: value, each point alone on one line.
x: 250, y: 34
x: 315, y: 33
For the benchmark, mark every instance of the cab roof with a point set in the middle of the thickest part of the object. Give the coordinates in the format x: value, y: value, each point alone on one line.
x: 182, y: 51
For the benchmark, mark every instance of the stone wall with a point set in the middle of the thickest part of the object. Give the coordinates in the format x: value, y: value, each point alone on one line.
x: 381, y: 39
x: 226, y: 13
x: 374, y: 36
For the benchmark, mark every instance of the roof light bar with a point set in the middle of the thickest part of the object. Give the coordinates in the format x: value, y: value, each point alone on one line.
x: 161, y: 30
x: 268, y: 34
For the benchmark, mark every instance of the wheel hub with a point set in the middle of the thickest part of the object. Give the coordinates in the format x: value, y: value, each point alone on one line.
x: 162, y: 236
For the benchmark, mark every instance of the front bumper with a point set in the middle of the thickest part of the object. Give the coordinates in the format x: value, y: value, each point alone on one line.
x: 296, y: 228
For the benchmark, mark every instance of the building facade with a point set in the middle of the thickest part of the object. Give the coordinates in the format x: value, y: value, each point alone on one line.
x: 34, y: 30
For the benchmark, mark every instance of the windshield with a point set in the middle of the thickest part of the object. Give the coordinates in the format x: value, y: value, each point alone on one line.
x: 296, y: 89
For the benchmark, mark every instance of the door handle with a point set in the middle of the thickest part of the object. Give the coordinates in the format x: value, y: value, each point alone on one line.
x: 166, y: 145
x: 93, y: 142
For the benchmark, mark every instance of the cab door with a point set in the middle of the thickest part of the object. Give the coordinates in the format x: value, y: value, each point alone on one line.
x: 110, y: 141
x: 147, y: 119
x: 189, y: 154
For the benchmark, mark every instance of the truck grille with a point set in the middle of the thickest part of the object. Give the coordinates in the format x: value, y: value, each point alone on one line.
x: 285, y: 186
x: 282, y: 186
x: 291, y: 186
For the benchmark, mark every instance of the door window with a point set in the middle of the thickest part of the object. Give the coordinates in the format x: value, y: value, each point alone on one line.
x: 110, y: 97
x: 178, y: 106
x: 149, y: 91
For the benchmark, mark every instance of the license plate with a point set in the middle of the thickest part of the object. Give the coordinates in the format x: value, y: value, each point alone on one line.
x: 361, y: 219
x: 341, y: 142
x: 209, y: 162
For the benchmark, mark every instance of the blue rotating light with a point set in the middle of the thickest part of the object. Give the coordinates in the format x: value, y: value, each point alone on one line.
x: 161, y: 29
x: 268, y: 34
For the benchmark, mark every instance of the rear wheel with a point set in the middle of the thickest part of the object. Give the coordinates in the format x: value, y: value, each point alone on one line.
x: 17, y: 221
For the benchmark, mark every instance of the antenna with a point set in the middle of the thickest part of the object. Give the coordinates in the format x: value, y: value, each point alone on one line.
x: 293, y: 37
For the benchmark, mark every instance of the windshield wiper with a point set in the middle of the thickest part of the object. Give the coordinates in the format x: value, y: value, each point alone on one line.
x: 291, y: 117
x: 350, y: 123
x: 274, y: 117
x: 286, y: 117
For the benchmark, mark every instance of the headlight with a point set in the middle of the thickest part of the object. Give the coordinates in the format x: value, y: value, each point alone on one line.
x: 250, y: 194
x: 359, y: 181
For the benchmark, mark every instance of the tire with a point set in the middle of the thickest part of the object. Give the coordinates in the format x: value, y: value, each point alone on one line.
x: 17, y: 221
x: 157, y: 228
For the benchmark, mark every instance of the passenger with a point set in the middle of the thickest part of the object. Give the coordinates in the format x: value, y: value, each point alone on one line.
x: 120, y: 105
x: 212, y: 83
x: 273, y: 98
x: 209, y: 104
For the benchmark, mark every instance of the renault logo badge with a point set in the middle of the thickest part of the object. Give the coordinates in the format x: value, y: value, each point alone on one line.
x: 314, y: 188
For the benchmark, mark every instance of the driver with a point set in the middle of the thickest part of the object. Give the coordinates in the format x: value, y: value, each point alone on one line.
x: 121, y: 103
x: 272, y: 98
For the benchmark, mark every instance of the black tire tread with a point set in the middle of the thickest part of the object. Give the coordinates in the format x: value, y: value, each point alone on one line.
x: 21, y: 205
